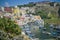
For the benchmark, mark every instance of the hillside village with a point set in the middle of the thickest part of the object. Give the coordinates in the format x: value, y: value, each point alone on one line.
x: 32, y: 17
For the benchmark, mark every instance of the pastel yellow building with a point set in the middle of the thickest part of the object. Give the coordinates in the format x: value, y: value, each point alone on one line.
x: 16, y: 10
x: 19, y: 11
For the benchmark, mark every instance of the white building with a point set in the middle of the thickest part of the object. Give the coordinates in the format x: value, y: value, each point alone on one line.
x: 2, y: 9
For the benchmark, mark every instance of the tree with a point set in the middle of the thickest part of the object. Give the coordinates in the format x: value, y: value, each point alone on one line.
x: 9, y: 26
x: 42, y: 13
x: 59, y: 12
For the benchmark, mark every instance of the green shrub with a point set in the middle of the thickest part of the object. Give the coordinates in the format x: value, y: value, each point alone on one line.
x: 9, y: 26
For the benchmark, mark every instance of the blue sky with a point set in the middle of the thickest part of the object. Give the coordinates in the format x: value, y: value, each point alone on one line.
x: 19, y: 2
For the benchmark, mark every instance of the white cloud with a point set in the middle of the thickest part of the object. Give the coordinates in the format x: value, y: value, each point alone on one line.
x: 6, y: 4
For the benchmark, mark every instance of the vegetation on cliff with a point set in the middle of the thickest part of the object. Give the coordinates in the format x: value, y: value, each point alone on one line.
x: 9, y: 27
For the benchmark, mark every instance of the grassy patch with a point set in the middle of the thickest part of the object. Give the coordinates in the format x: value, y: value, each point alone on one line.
x: 52, y: 21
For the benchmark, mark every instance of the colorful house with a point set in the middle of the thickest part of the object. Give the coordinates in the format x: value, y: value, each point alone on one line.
x: 16, y: 10
x: 37, y: 17
x: 8, y: 9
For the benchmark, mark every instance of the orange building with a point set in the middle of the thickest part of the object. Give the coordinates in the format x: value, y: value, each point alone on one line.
x: 37, y: 17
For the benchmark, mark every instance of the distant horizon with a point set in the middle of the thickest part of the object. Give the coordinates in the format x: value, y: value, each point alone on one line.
x: 21, y: 2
